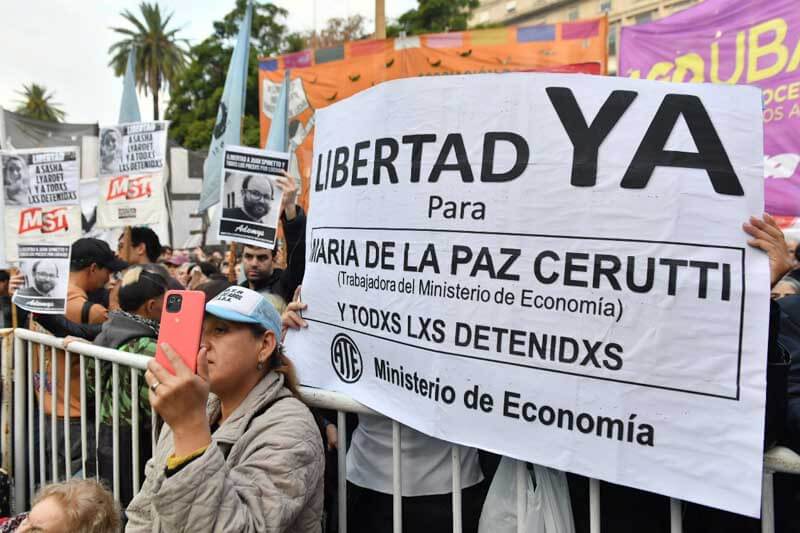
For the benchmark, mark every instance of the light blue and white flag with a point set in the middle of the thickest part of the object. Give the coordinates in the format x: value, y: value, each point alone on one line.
x: 278, y: 137
x: 129, y: 108
x: 227, y: 129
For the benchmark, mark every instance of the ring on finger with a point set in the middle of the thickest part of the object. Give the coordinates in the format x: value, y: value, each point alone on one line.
x: 154, y: 386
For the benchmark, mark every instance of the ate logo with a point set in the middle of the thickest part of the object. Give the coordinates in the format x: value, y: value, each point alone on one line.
x: 346, y: 359
x: 44, y: 221
x: 129, y: 188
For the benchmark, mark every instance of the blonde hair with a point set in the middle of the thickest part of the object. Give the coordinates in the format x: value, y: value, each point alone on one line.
x: 131, y: 275
x: 281, y: 364
x: 88, y: 506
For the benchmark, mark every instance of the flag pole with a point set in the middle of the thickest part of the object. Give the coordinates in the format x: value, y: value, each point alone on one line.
x: 13, y: 271
x: 232, y: 263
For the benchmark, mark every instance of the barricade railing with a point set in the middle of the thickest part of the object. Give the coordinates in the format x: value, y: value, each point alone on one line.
x: 6, y: 380
x: 26, y: 456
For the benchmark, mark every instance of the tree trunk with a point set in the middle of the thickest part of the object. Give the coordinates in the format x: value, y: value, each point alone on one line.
x: 155, y: 104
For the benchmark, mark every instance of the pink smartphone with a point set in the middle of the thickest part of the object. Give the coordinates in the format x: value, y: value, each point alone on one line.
x: 181, y: 327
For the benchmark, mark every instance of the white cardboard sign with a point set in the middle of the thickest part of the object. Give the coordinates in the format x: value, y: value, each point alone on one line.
x: 551, y: 267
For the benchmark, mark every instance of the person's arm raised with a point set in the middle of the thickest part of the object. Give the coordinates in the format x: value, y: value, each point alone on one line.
x: 181, y: 400
x: 767, y: 236
x: 288, y: 187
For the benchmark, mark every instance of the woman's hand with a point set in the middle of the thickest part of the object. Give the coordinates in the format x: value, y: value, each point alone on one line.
x: 181, y: 399
x: 69, y: 339
x: 288, y: 185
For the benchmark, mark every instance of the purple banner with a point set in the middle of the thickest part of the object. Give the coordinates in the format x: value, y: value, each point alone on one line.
x: 749, y: 42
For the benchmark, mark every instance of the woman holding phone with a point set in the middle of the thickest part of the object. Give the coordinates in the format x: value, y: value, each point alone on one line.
x: 239, y: 451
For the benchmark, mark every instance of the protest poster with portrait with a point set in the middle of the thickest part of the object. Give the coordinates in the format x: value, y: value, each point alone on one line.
x: 558, y: 275
x: 250, y: 196
x: 41, y: 176
x: 46, y: 271
x: 41, y: 197
x: 133, y: 148
x: 130, y: 200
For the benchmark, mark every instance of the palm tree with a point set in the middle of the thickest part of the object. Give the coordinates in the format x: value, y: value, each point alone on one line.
x: 38, y: 104
x: 159, y: 52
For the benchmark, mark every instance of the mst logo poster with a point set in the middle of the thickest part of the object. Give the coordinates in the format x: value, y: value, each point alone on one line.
x: 131, y: 160
x: 40, y: 198
x: 130, y: 200
x: 558, y: 274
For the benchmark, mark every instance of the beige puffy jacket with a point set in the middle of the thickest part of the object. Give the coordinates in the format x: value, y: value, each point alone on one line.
x: 262, y: 473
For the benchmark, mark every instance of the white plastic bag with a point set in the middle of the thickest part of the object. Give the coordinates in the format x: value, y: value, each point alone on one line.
x: 548, y: 508
x: 552, y: 503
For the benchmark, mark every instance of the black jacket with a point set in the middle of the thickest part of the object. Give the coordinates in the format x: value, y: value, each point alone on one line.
x: 283, y: 282
x: 790, y: 339
x: 121, y: 328
x: 5, y: 311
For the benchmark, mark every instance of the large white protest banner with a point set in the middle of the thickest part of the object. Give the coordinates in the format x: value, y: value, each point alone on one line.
x: 40, y: 197
x: 133, y: 148
x: 549, y: 267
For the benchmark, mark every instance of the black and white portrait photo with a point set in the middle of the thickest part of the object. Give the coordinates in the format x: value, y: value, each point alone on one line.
x: 110, y: 150
x: 42, y: 279
x: 251, y: 207
x: 16, y: 181
x: 46, y: 271
x: 249, y: 197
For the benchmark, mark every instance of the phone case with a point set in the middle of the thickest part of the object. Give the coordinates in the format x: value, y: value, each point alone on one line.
x: 182, y: 329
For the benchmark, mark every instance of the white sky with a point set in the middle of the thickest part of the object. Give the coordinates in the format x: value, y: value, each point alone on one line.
x: 63, y: 44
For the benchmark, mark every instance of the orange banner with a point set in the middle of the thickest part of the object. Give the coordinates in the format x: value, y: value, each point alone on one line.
x: 323, y: 76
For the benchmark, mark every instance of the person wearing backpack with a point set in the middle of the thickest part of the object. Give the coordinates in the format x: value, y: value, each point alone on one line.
x: 133, y: 328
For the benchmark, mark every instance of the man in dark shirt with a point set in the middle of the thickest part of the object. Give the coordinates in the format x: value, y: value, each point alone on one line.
x: 278, y: 285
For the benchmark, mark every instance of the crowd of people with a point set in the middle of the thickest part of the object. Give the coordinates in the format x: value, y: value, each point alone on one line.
x: 238, y: 450
x: 238, y: 447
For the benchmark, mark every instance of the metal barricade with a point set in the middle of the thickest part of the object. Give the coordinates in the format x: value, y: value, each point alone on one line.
x: 28, y: 413
x: 6, y: 379
x: 26, y: 457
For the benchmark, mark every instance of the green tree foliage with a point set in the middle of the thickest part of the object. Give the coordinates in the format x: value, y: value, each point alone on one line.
x: 160, y: 56
x: 432, y: 16
x: 195, y: 96
x: 296, y: 42
x: 38, y: 104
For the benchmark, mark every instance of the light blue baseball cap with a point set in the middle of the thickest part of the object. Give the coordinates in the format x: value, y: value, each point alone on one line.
x: 240, y: 304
